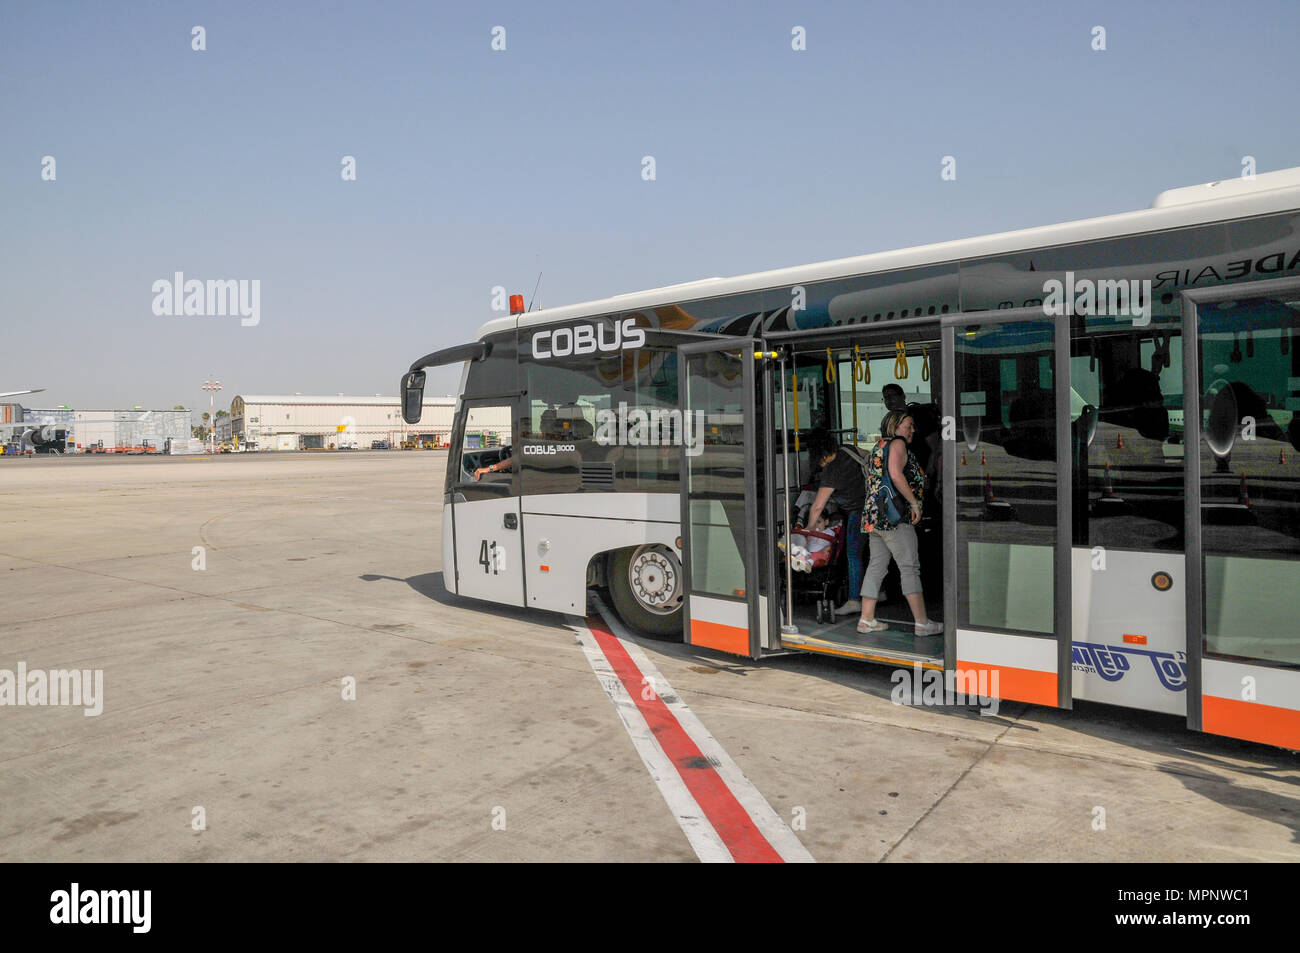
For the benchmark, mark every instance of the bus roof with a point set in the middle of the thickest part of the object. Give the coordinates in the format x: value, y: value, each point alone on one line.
x: 1176, y: 208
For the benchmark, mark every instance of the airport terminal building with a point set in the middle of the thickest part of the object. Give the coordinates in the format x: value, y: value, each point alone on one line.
x: 307, y: 422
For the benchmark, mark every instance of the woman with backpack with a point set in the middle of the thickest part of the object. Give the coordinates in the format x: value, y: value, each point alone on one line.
x: 895, y: 485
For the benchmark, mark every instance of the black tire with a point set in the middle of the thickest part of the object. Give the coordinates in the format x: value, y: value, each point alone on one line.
x: 633, y: 614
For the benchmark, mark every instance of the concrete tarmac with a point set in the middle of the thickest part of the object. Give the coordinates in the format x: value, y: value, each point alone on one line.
x: 223, y: 700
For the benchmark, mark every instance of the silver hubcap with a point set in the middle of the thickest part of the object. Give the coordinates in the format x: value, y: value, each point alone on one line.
x: 655, y: 576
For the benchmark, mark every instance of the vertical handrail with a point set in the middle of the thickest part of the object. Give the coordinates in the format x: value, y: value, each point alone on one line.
x: 794, y: 384
x: 853, y: 375
x: 788, y: 628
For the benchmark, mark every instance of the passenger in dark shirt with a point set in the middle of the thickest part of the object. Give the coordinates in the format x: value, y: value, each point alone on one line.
x: 843, y: 475
x: 842, y: 480
x: 893, y: 397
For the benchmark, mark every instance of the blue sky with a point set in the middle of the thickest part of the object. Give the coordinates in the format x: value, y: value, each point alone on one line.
x: 478, y: 168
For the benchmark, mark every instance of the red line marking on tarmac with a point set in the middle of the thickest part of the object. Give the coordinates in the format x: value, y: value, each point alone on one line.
x: 732, y: 822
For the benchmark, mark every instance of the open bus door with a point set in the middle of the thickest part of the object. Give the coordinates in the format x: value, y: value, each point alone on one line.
x: 1241, y: 423
x: 1006, y: 491
x: 721, y: 522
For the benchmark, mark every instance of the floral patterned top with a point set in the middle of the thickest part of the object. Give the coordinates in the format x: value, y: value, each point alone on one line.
x: 872, y: 516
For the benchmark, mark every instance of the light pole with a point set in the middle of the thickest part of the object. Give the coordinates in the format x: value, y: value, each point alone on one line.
x: 212, y: 386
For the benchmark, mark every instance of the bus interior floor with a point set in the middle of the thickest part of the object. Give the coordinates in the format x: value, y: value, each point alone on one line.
x: 899, y: 639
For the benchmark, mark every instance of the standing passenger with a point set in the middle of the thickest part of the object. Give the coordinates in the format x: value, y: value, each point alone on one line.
x: 893, y: 397
x: 889, y: 539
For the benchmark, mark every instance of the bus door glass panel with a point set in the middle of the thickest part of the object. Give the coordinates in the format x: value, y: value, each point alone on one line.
x: 719, y: 513
x: 1006, y: 533
x: 806, y: 409
x: 485, y: 506
x: 1128, y: 513
x: 1249, y: 465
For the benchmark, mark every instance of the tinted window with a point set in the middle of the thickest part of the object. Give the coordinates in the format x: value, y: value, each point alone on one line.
x: 718, y: 526
x: 495, y: 375
x: 1006, y: 477
x: 602, y: 422
x: 1126, y: 408
x: 1250, y: 477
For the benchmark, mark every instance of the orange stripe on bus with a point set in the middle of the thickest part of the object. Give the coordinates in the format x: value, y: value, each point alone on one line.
x: 1251, y: 721
x: 724, y: 638
x: 1016, y: 684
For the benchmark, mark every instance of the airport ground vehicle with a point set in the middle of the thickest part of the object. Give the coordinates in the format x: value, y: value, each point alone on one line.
x: 1117, y: 465
x: 421, y: 442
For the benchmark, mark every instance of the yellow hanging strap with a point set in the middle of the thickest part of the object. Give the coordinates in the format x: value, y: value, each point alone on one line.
x: 900, y: 360
x: 830, y: 367
x: 861, y: 365
x: 925, y: 363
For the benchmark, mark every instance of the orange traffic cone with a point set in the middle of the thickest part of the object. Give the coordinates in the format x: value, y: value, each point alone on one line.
x: 1281, y: 457
x: 1119, y: 441
x: 984, y: 460
x: 963, y: 458
x: 993, y: 507
x: 1109, y: 502
x: 1243, y: 494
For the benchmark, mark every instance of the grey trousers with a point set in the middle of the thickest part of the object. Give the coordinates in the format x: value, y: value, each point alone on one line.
x: 899, y: 543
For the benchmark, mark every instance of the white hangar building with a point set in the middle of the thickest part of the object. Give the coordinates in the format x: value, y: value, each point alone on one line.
x: 304, y: 422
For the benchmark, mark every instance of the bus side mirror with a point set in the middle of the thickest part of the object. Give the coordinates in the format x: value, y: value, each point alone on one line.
x: 412, y: 396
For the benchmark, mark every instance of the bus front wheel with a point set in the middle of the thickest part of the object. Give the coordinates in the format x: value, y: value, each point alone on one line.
x: 647, y: 589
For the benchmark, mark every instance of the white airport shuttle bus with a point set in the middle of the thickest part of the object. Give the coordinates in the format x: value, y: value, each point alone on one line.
x: 1114, y: 502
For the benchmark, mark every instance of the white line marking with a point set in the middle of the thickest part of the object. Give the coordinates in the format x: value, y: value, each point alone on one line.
x: 704, y: 840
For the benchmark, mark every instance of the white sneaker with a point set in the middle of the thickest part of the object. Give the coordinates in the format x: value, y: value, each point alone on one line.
x: 928, y: 628
x: 852, y: 607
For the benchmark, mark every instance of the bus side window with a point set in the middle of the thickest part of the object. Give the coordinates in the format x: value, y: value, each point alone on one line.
x: 1128, y: 447
x: 1250, y: 493
x: 484, y: 448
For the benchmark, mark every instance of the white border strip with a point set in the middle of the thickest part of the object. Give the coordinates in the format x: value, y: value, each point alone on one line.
x: 1035, y: 653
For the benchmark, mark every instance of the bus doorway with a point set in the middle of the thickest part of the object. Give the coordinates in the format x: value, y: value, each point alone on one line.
x: 1007, y: 492
x: 723, y: 513
x: 831, y: 392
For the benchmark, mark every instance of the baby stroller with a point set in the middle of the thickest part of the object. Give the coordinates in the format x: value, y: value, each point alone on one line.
x: 816, y: 556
